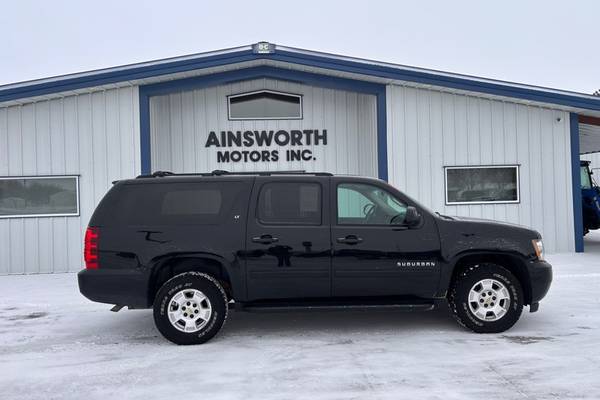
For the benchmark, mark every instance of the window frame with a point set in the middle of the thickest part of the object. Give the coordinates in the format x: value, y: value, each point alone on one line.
x: 47, y: 215
x: 390, y: 193
x: 231, y: 96
x: 260, y: 222
x: 516, y: 167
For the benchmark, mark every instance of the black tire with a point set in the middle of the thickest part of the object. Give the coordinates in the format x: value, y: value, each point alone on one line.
x: 204, y: 283
x: 459, y: 295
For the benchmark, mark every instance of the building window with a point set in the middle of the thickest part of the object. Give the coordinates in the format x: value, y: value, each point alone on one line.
x: 492, y: 184
x: 39, y: 196
x: 265, y: 104
x: 284, y: 203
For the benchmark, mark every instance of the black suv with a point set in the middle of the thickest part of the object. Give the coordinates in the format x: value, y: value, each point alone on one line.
x: 193, y: 246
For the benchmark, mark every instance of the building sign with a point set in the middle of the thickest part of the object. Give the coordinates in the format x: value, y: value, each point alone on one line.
x: 234, y: 146
x: 263, y: 48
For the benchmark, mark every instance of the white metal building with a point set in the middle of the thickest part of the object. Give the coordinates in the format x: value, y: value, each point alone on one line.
x: 459, y: 144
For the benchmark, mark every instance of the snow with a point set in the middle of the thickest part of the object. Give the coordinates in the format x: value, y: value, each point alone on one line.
x: 55, y: 344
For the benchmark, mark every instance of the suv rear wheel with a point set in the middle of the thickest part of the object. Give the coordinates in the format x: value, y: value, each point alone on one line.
x: 486, y: 298
x: 190, y: 308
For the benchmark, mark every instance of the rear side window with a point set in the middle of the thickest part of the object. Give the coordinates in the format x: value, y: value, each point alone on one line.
x: 282, y: 203
x: 177, y: 203
x: 192, y: 202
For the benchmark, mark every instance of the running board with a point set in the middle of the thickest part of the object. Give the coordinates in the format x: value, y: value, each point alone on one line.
x: 266, y: 308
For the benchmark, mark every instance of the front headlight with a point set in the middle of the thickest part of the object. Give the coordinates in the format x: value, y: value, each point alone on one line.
x: 538, y: 246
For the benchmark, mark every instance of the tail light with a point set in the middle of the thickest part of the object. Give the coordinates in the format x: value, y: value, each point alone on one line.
x: 90, y: 248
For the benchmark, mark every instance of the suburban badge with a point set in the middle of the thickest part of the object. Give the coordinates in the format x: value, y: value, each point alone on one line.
x: 416, y: 264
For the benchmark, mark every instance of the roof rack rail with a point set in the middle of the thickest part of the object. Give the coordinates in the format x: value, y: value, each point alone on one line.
x: 220, y: 172
x: 162, y: 174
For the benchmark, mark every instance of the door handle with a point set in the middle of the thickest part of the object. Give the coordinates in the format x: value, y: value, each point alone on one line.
x: 350, y: 239
x: 265, y: 239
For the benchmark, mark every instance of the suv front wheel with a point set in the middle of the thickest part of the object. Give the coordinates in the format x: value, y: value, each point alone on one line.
x: 190, y: 308
x: 486, y: 298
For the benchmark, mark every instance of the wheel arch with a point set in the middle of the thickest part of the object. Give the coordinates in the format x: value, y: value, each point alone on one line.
x: 512, y: 262
x: 174, y: 265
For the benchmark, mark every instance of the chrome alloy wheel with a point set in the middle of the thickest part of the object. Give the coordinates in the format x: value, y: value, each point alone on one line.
x: 189, y: 310
x: 489, y: 300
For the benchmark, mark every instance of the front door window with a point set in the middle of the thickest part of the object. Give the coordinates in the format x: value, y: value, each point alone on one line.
x: 363, y: 204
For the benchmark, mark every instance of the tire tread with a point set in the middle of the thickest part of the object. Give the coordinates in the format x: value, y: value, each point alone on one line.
x: 195, y: 274
x: 465, y: 275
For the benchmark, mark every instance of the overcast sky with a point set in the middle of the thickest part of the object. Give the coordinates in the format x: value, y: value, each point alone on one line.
x: 547, y: 43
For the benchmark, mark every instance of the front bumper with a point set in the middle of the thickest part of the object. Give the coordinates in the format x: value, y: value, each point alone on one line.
x: 540, y: 274
x: 120, y: 287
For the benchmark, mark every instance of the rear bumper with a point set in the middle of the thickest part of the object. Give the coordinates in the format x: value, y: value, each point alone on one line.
x: 124, y: 288
x: 540, y: 273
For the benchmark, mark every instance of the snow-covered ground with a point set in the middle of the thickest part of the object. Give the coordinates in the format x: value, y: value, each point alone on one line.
x: 54, y: 344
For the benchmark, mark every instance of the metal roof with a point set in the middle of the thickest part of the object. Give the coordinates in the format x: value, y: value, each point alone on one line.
x: 292, y: 55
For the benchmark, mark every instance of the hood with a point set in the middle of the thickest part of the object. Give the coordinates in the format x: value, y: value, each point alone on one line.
x: 492, y: 225
x: 488, y: 221
x: 461, y: 234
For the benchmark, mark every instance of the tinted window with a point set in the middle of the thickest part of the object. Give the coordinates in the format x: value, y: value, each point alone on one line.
x: 265, y: 105
x: 192, y: 202
x: 39, y: 196
x: 482, y: 185
x: 290, y: 204
x: 177, y: 204
x: 361, y: 204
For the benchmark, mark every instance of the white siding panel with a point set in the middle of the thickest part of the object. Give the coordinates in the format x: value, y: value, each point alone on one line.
x: 16, y: 247
x: 428, y: 130
x: 4, y: 167
x: 95, y: 136
x: 181, y: 122
x: 114, y: 153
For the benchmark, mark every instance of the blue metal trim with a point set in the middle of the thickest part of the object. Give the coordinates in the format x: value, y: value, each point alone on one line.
x: 203, y: 81
x: 145, y: 152
x: 576, y: 181
x: 308, y: 78
x: 322, y: 61
x: 103, y: 78
x: 431, y: 78
x: 382, y: 158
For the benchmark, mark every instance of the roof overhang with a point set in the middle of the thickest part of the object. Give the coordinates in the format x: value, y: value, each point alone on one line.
x: 261, y: 54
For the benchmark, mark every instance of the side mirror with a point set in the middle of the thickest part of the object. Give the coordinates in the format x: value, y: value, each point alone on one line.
x: 412, y: 217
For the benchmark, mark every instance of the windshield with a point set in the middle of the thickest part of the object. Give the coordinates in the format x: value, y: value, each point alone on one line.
x: 586, y: 182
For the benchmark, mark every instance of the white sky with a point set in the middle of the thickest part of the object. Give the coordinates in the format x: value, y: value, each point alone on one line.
x: 547, y: 43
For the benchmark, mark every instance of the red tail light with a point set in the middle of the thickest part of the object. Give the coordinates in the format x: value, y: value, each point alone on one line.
x: 90, y: 248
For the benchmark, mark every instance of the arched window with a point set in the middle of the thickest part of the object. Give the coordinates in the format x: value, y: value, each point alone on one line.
x: 265, y: 104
